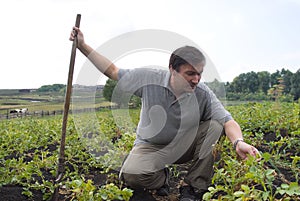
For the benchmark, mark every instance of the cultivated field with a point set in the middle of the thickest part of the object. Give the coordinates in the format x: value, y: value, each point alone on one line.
x: 46, y: 103
x: 98, y: 141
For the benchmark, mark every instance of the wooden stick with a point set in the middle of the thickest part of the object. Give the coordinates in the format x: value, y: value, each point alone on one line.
x: 61, y: 159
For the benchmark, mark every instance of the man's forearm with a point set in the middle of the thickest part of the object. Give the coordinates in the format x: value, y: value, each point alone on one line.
x: 233, y: 131
x: 103, y: 64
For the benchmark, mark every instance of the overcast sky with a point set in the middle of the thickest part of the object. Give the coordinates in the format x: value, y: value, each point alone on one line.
x: 238, y: 36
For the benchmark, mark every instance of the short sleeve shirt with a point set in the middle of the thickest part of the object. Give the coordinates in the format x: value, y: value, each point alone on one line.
x: 164, y: 116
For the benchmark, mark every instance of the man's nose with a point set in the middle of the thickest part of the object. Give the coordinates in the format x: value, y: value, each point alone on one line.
x: 196, y: 79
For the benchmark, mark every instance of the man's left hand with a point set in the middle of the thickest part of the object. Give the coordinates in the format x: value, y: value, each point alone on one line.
x: 243, y: 150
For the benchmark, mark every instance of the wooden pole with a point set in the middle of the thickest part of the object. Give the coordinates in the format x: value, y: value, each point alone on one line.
x: 61, y: 159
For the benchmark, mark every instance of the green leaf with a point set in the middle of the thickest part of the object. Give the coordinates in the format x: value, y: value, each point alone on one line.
x: 269, y: 171
x: 245, y: 188
x: 238, y: 193
x: 285, y: 186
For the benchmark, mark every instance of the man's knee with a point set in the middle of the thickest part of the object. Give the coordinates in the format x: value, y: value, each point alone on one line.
x: 210, y: 132
x: 152, y: 180
x: 132, y: 180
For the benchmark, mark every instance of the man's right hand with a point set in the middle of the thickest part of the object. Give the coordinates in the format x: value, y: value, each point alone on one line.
x: 80, y: 39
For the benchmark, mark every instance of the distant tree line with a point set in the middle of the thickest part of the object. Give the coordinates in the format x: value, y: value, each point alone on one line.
x: 281, y: 85
x: 52, y: 88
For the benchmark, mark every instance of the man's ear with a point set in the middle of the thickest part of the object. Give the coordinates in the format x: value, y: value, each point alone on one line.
x: 172, y: 71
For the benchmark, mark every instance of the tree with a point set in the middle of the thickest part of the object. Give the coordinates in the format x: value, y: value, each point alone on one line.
x: 276, y: 91
x: 52, y: 88
x: 274, y: 78
x: 245, y: 83
x: 109, y: 88
x: 251, y: 82
x: 122, y: 99
x: 238, y: 83
x: 287, y: 79
x: 295, y: 85
x: 264, y: 80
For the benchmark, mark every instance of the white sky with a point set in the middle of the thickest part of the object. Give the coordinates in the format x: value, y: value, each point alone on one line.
x: 238, y: 36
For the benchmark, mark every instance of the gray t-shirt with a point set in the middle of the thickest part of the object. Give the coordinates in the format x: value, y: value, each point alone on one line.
x: 163, y: 116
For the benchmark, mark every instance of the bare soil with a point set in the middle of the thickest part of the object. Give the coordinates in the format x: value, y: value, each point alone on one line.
x: 14, y: 192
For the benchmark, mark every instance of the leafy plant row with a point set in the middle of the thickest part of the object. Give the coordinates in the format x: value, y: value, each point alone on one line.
x: 276, y: 175
x: 97, y: 144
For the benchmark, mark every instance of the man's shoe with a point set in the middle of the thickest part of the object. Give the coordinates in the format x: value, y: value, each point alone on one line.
x: 141, y: 195
x: 163, y: 191
x: 187, y: 193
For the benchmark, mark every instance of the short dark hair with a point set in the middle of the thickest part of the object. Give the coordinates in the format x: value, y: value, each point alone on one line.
x: 185, y: 55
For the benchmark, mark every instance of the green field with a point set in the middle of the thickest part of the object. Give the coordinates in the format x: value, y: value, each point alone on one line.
x: 97, y: 142
x: 34, y: 101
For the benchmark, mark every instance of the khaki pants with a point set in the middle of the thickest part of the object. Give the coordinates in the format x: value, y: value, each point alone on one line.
x: 144, y: 166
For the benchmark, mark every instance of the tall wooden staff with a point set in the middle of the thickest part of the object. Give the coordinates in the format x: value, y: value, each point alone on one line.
x: 61, y: 159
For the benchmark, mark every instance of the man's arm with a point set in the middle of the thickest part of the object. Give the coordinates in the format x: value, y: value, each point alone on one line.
x: 102, y: 63
x: 234, y: 133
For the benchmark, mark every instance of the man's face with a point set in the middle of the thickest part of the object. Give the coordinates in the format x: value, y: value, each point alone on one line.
x: 187, y: 78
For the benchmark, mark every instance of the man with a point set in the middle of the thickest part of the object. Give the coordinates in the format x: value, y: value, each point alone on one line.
x: 181, y: 120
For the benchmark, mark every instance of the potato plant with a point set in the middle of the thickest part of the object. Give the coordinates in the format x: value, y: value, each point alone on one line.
x: 96, y: 146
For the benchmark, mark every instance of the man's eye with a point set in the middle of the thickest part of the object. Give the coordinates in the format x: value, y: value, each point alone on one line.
x: 191, y: 73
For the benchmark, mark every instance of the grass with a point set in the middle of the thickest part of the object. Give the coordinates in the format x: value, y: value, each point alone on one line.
x: 34, y: 101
